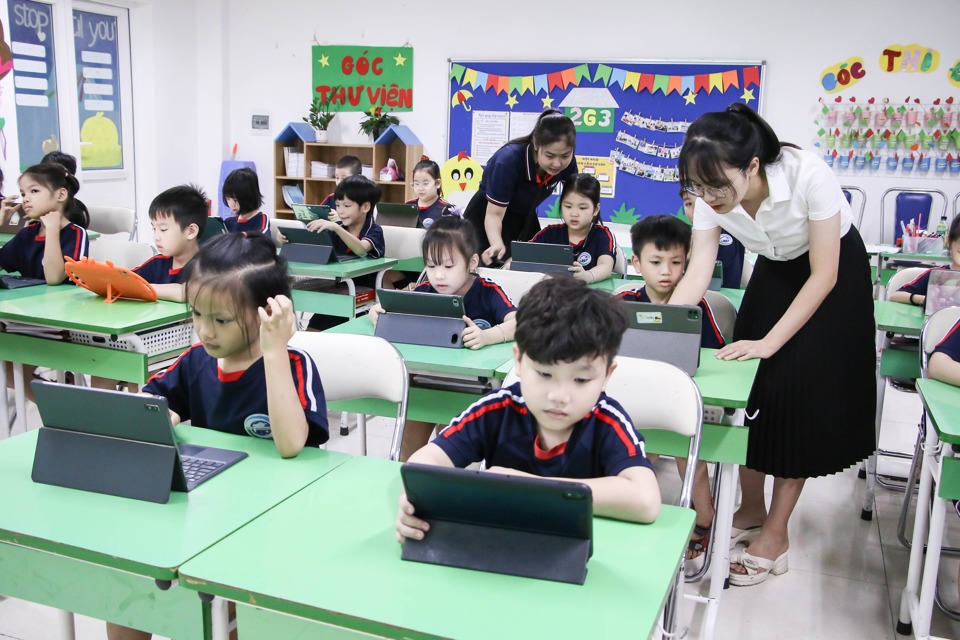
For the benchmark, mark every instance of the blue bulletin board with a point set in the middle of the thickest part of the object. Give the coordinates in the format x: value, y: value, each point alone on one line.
x: 631, y: 117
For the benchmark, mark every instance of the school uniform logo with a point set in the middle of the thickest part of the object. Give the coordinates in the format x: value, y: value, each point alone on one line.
x: 584, y: 258
x: 480, y: 322
x: 427, y: 223
x: 258, y: 425
x: 726, y: 240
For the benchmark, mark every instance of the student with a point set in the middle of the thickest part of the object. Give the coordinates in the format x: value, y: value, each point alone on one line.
x: 355, y: 232
x: 594, y: 247
x: 65, y: 160
x: 346, y: 166
x: 518, y: 177
x: 429, y: 200
x: 807, y: 314
x: 944, y: 364
x: 556, y: 421
x: 915, y: 292
x: 57, y: 226
x: 660, y: 247
x: 450, y: 257
x: 729, y: 252
x: 241, y: 193
x: 177, y: 217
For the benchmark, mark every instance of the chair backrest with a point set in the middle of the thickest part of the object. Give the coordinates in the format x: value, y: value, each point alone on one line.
x: 745, y: 273
x: 902, y: 277
x: 934, y: 329
x: 403, y: 243
x: 353, y: 367
x: 122, y: 253
x: 113, y: 220
x: 861, y: 205
x: 620, y: 262
x: 514, y: 283
x: 278, y: 224
x: 723, y: 312
x: 632, y: 284
x: 909, y: 204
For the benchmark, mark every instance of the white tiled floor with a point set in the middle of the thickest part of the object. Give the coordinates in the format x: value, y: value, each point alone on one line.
x: 845, y: 576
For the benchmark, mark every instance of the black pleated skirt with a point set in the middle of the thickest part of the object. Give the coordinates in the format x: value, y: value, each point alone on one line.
x: 814, y: 401
x: 517, y: 225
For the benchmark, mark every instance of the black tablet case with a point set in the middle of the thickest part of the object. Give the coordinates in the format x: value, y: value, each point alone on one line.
x: 539, y: 257
x: 674, y: 339
x: 529, y: 527
x: 427, y: 319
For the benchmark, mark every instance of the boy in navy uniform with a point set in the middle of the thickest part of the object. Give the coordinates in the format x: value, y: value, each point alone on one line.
x: 556, y: 421
x: 346, y: 166
x: 660, y: 246
x: 915, y: 292
x: 177, y: 217
x: 241, y: 193
x: 730, y: 251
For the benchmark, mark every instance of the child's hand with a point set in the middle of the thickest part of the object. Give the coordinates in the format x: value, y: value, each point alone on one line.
x: 578, y: 272
x: 7, y: 208
x: 277, y: 323
x: 51, y: 221
x: 407, y: 525
x: 282, y: 239
x: 333, y: 217
x: 321, y: 225
x: 473, y: 336
x: 374, y: 313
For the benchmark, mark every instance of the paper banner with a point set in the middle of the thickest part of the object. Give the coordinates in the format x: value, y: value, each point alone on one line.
x: 618, y: 76
x: 515, y: 84
x: 646, y: 82
x: 526, y: 84
x: 603, y: 73
x: 555, y: 80
x: 582, y: 71
x: 660, y: 83
x: 456, y: 71
x: 492, y: 82
x: 686, y: 84
x: 730, y: 79
x: 675, y: 84
x: 480, y: 81
x: 632, y: 81
x: 568, y: 77
x: 716, y: 82
x: 470, y: 78
x: 701, y: 83
x: 504, y: 85
x: 751, y: 76
x: 540, y: 84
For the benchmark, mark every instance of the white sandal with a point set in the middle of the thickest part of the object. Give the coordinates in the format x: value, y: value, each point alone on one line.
x: 745, y: 536
x: 757, y: 568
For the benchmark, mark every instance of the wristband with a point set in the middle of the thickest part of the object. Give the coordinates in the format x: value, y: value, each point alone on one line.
x: 502, y: 333
x: 911, y: 299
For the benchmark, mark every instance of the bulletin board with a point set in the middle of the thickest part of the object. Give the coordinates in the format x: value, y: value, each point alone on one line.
x: 631, y: 118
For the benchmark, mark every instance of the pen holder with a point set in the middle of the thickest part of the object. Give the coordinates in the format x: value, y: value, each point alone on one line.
x: 929, y: 246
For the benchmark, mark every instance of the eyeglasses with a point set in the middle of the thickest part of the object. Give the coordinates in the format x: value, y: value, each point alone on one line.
x: 423, y: 185
x: 713, y: 192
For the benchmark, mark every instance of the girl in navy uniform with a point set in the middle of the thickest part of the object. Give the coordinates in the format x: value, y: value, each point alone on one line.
x: 915, y: 292
x: 807, y: 313
x: 517, y: 178
x: 594, y: 247
x: 450, y: 256
x: 429, y: 200
x: 241, y: 193
x: 57, y: 226
x: 242, y: 378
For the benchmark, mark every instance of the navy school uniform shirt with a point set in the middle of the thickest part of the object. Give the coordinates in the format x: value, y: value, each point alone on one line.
x: 599, y: 242
x: 24, y: 252
x: 159, y: 270
x: 510, y: 179
x: 330, y: 201
x: 950, y: 345
x: 486, y: 303
x: 371, y: 231
x: 920, y: 283
x: 500, y: 429
x: 198, y: 391
x: 259, y: 223
x: 710, y: 335
x: 730, y: 254
x: 429, y: 215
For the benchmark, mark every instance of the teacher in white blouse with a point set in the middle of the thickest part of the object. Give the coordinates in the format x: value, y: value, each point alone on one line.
x: 807, y: 312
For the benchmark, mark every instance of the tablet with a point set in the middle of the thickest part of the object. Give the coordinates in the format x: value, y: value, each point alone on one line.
x: 421, y: 303
x: 310, y: 212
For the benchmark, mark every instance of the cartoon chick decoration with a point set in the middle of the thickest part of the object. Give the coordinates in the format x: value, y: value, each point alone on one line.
x: 460, y: 179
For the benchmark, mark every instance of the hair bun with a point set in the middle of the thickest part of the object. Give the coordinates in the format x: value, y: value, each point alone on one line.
x: 424, y: 157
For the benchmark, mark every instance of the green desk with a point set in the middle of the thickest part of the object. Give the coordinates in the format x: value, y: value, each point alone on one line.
x: 101, y: 555
x: 350, y: 576
x: 941, y: 401
x: 330, y: 303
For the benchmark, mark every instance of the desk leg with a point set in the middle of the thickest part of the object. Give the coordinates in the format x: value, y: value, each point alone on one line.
x: 20, y: 393
x: 4, y: 400
x: 931, y: 568
x: 866, y: 512
x: 912, y: 588
x: 722, y: 526
x: 219, y: 619
x: 65, y: 621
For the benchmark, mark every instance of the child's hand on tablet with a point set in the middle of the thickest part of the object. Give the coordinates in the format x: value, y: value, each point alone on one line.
x: 407, y: 525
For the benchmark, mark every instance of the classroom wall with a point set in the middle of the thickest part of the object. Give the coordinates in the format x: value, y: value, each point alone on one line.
x: 215, y: 61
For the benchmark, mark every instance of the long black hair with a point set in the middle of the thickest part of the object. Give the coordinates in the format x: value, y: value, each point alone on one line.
x: 733, y: 138
x: 451, y: 234
x: 587, y: 186
x: 552, y: 126
x: 55, y: 176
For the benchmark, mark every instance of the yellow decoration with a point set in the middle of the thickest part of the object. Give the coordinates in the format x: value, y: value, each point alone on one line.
x: 511, y: 101
x: 716, y: 82
x: 399, y: 59
x: 547, y: 102
x: 632, y: 81
x: 324, y: 61
x: 99, y: 143
x: 747, y: 96
x: 953, y: 74
x: 910, y: 58
x: 690, y: 97
x: 526, y: 84
x: 460, y: 176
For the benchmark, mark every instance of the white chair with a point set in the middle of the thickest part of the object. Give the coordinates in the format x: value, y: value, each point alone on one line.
x: 723, y: 312
x: 401, y: 243
x: 902, y: 277
x: 620, y: 263
x: 745, y: 273
x: 106, y: 220
x: 359, y: 367
x: 122, y: 253
x: 634, y: 284
x: 861, y: 205
x: 278, y: 224
x: 514, y: 283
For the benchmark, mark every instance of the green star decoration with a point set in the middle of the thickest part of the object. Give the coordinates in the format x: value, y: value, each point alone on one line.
x: 623, y: 215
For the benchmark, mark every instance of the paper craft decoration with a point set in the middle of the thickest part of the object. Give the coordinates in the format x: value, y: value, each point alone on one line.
x: 107, y: 280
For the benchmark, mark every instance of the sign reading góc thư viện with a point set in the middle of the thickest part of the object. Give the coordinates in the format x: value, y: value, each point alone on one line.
x: 363, y: 78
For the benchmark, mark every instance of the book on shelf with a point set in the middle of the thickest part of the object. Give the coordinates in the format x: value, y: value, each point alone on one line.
x: 292, y: 194
x: 321, y: 170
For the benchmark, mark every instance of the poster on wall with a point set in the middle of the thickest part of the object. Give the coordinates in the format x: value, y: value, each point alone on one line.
x: 630, y: 119
x: 34, y: 79
x: 98, y: 90
x: 364, y: 78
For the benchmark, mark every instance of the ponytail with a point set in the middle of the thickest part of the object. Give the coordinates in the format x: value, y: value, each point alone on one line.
x: 55, y: 176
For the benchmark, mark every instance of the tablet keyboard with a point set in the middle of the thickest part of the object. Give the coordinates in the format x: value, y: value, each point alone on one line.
x: 196, y: 469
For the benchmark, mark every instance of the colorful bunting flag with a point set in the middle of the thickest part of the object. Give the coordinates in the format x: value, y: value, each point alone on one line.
x: 660, y: 83
x: 456, y: 71
x: 751, y: 76
x: 603, y: 73
x: 730, y: 79
x: 716, y: 82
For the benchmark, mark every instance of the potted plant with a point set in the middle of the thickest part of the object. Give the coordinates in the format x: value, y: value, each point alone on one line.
x: 321, y: 113
x: 376, y: 122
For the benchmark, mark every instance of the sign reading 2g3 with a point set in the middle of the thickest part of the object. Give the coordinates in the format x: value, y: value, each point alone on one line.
x: 591, y: 119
